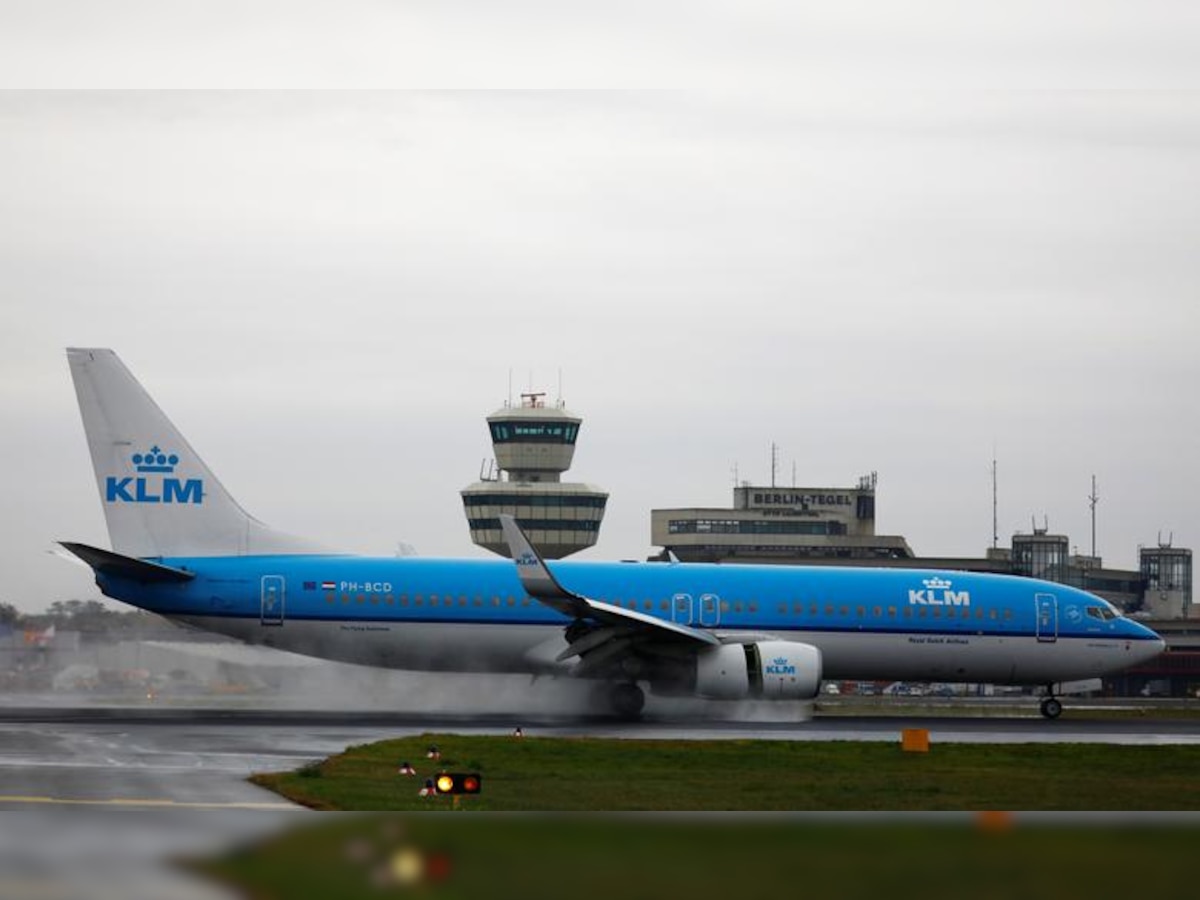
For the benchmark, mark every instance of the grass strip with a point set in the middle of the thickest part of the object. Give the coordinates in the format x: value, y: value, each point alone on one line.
x: 590, y: 774
x: 533, y: 857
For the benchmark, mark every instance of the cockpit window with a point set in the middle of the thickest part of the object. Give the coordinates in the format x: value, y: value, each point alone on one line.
x: 1094, y: 612
x: 1103, y: 613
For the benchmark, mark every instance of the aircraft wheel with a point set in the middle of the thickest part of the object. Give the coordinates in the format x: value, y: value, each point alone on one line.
x: 1051, y: 708
x: 626, y: 700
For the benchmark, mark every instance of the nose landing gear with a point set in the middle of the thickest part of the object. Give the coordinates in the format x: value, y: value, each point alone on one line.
x: 1050, y: 707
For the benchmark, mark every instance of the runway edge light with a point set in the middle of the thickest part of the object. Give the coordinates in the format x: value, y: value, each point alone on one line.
x: 458, y: 783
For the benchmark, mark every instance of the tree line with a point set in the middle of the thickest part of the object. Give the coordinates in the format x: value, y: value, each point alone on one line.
x: 80, y: 615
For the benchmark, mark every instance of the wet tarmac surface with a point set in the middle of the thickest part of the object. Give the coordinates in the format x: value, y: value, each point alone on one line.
x: 110, y: 794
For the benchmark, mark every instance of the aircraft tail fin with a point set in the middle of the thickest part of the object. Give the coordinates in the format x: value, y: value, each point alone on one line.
x: 159, y: 497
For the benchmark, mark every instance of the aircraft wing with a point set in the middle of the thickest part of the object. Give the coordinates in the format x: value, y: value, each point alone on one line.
x: 618, y: 627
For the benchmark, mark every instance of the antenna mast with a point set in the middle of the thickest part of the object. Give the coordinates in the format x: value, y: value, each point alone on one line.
x: 774, y: 461
x: 1093, y: 499
x: 995, y: 526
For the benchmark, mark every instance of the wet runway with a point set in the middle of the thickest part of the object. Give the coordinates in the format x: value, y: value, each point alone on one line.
x: 156, y: 757
x: 183, y: 771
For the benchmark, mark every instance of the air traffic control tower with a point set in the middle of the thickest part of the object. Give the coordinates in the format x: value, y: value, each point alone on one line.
x: 534, y: 444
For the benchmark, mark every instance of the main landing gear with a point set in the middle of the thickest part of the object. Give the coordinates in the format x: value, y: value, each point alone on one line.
x: 1050, y: 707
x: 626, y: 700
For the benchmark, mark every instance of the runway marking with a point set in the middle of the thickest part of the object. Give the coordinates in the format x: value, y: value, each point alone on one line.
x: 155, y: 802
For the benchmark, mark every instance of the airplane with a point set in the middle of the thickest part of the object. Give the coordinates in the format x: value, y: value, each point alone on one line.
x: 183, y: 548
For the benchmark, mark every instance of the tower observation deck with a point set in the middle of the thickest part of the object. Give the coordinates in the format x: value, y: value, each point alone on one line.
x: 534, y: 444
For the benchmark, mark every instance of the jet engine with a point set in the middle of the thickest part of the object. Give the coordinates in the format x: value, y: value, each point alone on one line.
x: 769, y: 670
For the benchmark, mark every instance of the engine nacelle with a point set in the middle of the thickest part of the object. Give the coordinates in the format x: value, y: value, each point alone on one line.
x: 770, y: 670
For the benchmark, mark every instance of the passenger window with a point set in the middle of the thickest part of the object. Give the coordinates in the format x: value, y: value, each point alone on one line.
x: 829, y: 609
x: 877, y: 612
x: 782, y: 609
x: 813, y: 610
x: 845, y: 610
x: 891, y: 612
x: 753, y: 607
x: 1007, y: 614
x: 860, y: 611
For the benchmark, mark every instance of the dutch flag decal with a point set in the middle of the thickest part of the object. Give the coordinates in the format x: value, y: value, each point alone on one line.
x: 329, y: 585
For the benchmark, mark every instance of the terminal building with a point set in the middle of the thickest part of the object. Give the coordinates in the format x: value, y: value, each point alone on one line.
x: 781, y: 525
x: 533, y: 445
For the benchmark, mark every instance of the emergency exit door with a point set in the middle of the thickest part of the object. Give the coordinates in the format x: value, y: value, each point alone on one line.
x: 272, y: 600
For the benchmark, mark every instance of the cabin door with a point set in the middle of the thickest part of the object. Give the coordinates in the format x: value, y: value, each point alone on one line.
x: 1047, y: 617
x: 710, y: 610
x: 272, y: 600
x: 681, y: 609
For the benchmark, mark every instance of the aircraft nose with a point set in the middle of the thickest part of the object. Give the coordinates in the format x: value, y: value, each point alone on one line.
x: 1152, y: 648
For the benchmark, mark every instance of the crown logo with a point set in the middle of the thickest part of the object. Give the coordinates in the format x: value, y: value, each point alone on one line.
x: 155, y: 461
x: 936, y: 584
x: 780, y: 660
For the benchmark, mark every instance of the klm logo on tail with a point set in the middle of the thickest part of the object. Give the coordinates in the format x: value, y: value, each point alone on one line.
x: 160, y: 487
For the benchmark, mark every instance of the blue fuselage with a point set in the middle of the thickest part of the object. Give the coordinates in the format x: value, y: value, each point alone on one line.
x: 473, y: 615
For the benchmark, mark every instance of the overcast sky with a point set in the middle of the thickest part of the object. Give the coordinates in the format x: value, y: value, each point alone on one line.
x: 882, y: 241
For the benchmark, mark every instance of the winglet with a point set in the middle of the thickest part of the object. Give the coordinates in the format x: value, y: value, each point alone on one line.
x: 539, y: 582
x: 536, y: 578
